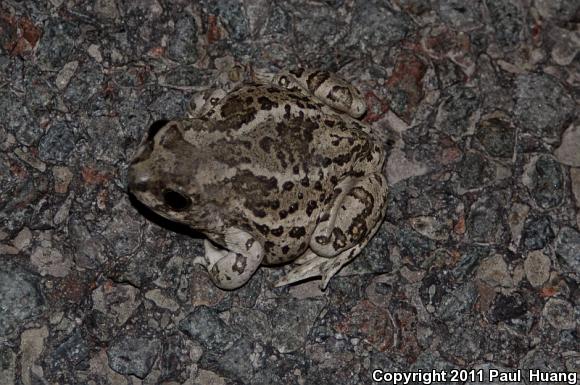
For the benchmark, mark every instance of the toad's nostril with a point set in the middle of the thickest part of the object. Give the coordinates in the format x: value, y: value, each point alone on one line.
x: 137, y: 180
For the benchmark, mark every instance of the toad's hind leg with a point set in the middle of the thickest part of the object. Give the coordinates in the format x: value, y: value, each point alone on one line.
x: 232, y: 267
x: 354, y: 216
x: 327, y: 87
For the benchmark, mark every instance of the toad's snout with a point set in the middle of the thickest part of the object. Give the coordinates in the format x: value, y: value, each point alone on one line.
x: 138, y: 178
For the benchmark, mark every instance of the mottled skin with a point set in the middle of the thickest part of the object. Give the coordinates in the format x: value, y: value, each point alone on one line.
x: 270, y: 173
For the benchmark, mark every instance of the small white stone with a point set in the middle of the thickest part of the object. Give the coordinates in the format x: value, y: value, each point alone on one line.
x: 516, y: 219
x: 94, y: 51
x: 31, y: 346
x: 50, y: 261
x: 62, y: 178
x: 66, y: 74
x: 22, y: 240
x: 161, y: 300
x: 569, y: 151
x: 566, y: 45
x: 494, y: 272
x: 27, y: 157
x: 209, y: 378
x: 537, y: 267
x: 8, y: 250
x: 400, y: 168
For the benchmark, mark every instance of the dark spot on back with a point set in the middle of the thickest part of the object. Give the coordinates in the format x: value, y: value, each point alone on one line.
x: 358, y: 228
x: 283, y: 214
x: 282, y: 157
x: 234, y: 108
x: 262, y: 228
x: 266, y: 143
x: 278, y: 231
x: 339, y: 238
x: 329, y: 122
x: 259, y: 213
x: 268, y: 246
x: 293, y: 207
x: 288, y: 186
x: 310, y: 207
x: 343, y: 158
x: 297, y: 232
x: 285, y: 249
x: 266, y: 104
x: 240, y: 264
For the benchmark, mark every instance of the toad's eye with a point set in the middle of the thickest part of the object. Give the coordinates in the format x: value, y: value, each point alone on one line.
x: 214, y: 101
x: 175, y: 200
x: 155, y: 127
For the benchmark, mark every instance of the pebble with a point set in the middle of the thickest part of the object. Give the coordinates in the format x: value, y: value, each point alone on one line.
x: 560, y: 314
x: 66, y: 74
x: 516, y: 219
x: 20, y: 294
x: 94, y: 51
x: 566, y: 45
x: 157, y: 296
x: 542, y: 105
x: 49, y: 260
x: 537, y: 268
x: 62, y: 178
x: 133, y: 355
x: 7, y: 365
x: 23, y: 239
x: 569, y: 151
x: 31, y: 346
x: 494, y: 271
x: 568, y: 247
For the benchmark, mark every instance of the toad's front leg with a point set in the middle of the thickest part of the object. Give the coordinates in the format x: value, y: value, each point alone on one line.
x: 232, y: 267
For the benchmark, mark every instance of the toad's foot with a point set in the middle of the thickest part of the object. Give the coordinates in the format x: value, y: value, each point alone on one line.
x: 313, y: 265
x: 232, y: 267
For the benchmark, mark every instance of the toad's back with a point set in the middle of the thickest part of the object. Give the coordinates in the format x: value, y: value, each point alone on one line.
x: 287, y: 133
x: 277, y: 156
